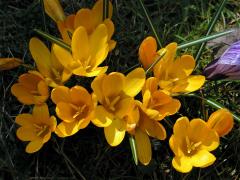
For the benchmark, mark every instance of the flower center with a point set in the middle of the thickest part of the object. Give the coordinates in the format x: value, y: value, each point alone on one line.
x: 111, y: 104
x: 41, y: 130
x: 56, y: 74
x: 192, y: 146
x: 35, y: 93
x: 81, y: 111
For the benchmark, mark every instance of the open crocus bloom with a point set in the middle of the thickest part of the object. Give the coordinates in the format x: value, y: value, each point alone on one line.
x: 36, y: 127
x: 156, y: 105
x: 74, y: 108
x: 191, y: 143
x: 221, y: 121
x: 115, y: 94
x: 90, y: 19
x: 173, y: 74
x: 47, y: 63
x: 88, y: 52
x: 31, y: 88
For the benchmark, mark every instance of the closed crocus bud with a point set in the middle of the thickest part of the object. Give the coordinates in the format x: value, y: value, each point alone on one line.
x: 54, y: 9
x: 9, y: 63
x: 227, y: 66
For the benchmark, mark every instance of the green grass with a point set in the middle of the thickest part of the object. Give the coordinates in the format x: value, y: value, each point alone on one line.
x: 87, y: 153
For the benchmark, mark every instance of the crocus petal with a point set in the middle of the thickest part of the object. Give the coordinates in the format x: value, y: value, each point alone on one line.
x: 202, y: 158
x: 80, y: 44
x: 26, y: 133
x: 65, y: 112
x: 180, y: 128
x: 43, y: 89
x: 97, y: 88
x: 24, y: 120
x: 123, y: 107
x: 54, y: 9
x: 182, y: 164
x: 34, y: 146
x: 97, y: 71
x: 98, y: 13
x: 84, y: 17
x: 103, y: 117
x: 64, y: 57
x: 200, y: 132
x: 134, y: 82
x: 112, y: 44
x: 41, y: 114
x: 9, y: 63
x: 66, y: 74
x: 147, y: 51
x: 110, y: 27
x: 151, y: 84
x: 143, y: 147
x: 113, y: 84
x: 60, y: 94
x: 195, y: 82
x: 79, y: 96
x: 175, y: 146
x: 221, y: 121
x: 22, y: 94
x: 113, y: 135
x: 66, y: 28
x: 41, y: 56
x: 169, y: 108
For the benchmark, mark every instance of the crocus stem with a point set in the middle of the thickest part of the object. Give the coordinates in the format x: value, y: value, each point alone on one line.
x: 28, y: 66
x: 213, y: 104
x: 53, y: 39
x: 150, y: 23
x: 210, y: 28
x: 133, y: 149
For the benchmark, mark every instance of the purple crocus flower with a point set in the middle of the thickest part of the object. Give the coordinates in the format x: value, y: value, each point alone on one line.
x: 227, y: 66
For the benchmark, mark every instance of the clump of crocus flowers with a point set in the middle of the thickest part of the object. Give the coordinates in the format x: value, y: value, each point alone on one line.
x: 133, y: 103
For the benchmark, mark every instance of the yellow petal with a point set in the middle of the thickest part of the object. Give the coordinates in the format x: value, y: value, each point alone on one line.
x: 84, y: 17
x: 181, y: 128
x: 195, y: 82
x: 80, y: 44
x: 41, y: 56
x: 147, y: 51
x: 66, y: 74
x: 112, y: 44
x: 175, y: 146
x: 22, y: 94
x: 98, y: 11
x: 186, y: 64
x: 24, y: 120
x: 151, y: 84
x: 182, y: 164
x: 134, y: 82
x: 52, y: 123
x: 64, y: 57
x: 65, y: 112
x: 146, y: 99
x: 113, y: 135
x: 97, y: 87
x: 153, y: 129
x: 80, y: 96
x: 124, y: 106
x: 66, y: 28
x: 221, y: 121
x: 41, y: 114
x: 200, y: 132
x: 143, y: 147
x: 34, y: 146
x: 43, y: 89
x: 98, y: 44
x: 54, y: 9
x: 9, y: 63
x: 26, y: 133
x: 110, y: 27
x: 97, y: 71
x: 202, y: 159
x: 113, y: 84
x: 103, y: 117
x: 60, y: 94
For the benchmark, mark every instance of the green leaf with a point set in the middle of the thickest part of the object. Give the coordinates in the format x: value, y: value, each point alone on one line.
x: 150, y: 23
x: 105, y: 9
x: 204, y: 39
x: 53, y: 39
x: 133, y: 149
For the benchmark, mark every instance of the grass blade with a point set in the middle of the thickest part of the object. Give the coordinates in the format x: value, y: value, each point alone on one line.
x: 133, y: 149
x: 105, y: 9
x: 210, y: 28
x: 150, y: 23
x: 211, y: 102
x: 204, y: 39
x: 53, y: 39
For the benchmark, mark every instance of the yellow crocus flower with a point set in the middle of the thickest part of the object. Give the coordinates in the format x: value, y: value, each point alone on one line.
x: 155, y: 106
x: 221, y: 121
x: 115, y: 94
x: 47, y: 63
x: 88, y: 52
x: 31, y: 88
x: 74, y: 107
x: 173, y: 74
x: 36, y: 127
x: 87, y: 18
x: 191, y: 144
